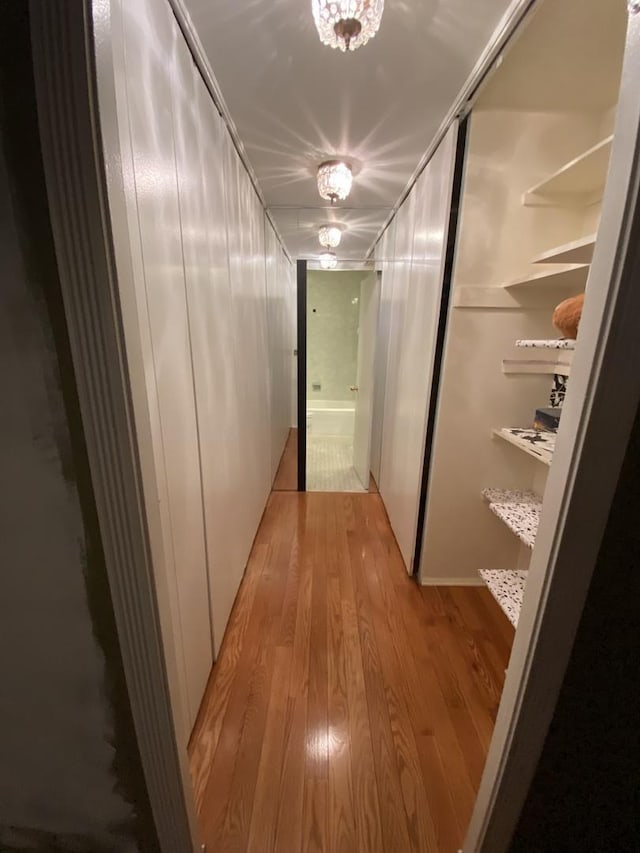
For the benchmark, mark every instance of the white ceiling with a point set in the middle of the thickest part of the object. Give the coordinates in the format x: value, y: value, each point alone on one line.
x: 569, y: 57
x: 296, y: 102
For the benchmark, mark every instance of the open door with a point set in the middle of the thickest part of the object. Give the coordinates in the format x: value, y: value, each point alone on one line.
x: 363, y: 389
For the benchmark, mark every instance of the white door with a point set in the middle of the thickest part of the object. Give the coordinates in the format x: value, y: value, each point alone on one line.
x: 417, y: 256
x: 160, y: 292
x: 369, y: 299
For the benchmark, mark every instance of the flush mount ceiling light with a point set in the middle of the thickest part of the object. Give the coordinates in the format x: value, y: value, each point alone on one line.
x: 334, y: 180
x: 347, y: 24
x: 328, y: 260
x: 330, y: 236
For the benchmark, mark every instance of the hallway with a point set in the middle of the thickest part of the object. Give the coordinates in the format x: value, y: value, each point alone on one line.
x: 385, y: 253
x: 350, y: 709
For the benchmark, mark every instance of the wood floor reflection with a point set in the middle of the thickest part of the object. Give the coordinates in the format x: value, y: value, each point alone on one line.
x: 350, y: 709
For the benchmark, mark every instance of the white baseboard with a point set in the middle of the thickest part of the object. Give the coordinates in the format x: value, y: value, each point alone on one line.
x: 452, y: 582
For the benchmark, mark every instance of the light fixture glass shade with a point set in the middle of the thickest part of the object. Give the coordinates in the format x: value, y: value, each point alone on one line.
x: 330, y: 236
x: 334, y: 180
x: 347, y: 24
x: 328, y: 260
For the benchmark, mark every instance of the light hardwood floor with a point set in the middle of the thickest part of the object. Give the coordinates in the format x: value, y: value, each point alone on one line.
x: 349, y: 710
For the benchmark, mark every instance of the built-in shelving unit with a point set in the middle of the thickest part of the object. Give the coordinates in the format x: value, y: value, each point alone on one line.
x: 565, y: 343
x: 536, y: 165
x: 519, y: 510
x: 579, y: 182
x: 507, y: 587
x: 575, y: 252
x: 536, y: 443
x: 571, y: 277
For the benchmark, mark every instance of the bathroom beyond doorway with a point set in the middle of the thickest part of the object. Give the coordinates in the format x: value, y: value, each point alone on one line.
x: 341, y: 324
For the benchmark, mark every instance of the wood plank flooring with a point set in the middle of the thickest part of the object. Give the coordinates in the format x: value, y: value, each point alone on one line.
x: 349, y: 710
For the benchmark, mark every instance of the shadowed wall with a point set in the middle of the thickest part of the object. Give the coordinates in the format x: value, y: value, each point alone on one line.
x: 70, y: 774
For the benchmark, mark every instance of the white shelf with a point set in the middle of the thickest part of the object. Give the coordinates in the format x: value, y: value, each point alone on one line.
x: 536, y: 366
x: 507, y: 587
x: 580, y: 181
x: 470, y: 296
x: 576, y: 252
x: 568, y: 276
x: 551, y: 344
x: 535, y: 443
x: 520, y: 511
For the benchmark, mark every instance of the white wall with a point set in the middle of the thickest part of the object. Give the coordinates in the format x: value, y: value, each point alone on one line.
x: 411, y: 288
x: 385, y: 267
x: 214, y: 298
x: 66, y: 771
x: 281, y: 327
x: 332, y: 334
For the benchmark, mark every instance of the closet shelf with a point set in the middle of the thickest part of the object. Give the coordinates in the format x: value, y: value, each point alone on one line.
x: 575, y: 252
x: 520, y: 511
x: 507, y: 587
x: 535, y: 443
x: 551, y: 344
x: 568, y: 276
x: 579, y: 182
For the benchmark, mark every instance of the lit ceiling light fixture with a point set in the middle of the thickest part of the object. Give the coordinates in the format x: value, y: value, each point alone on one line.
x: 347, y: 24
x: 328, y: 260
x: 334, y: 180
x: 330, y: 236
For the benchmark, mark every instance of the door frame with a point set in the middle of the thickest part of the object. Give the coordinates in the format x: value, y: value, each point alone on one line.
x: 301, y: 302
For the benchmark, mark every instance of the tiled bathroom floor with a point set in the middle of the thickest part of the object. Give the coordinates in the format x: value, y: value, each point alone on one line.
x: 330, y: 465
